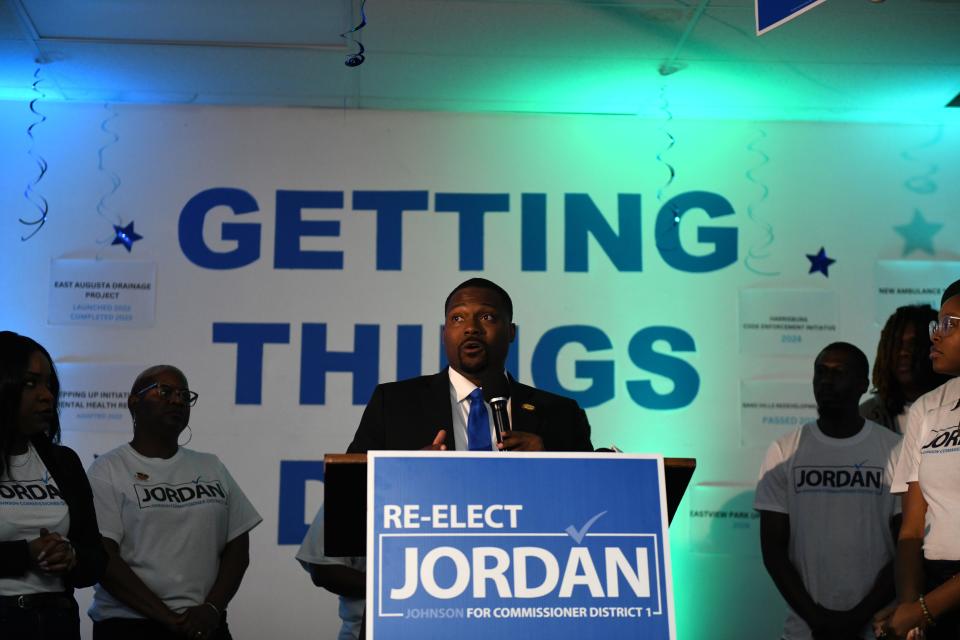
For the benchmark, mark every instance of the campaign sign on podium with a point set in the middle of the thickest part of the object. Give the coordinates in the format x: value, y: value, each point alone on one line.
x: 472, y: 545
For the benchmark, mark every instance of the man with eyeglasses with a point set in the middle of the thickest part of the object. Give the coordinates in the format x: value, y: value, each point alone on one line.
x: 827, y: 519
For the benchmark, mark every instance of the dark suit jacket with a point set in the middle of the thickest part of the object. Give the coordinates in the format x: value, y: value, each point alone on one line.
x: 406, y: 415
x: 65, y: 468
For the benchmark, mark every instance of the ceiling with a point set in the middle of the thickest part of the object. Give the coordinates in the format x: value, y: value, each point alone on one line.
x: 843, y: 60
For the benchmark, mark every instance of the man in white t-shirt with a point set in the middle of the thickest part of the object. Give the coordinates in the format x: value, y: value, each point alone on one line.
x: 345, y: 577
x: 828, y: 521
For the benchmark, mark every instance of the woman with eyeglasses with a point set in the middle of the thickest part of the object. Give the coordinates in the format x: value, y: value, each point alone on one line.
x: 175, y: 524
x: 928, y: 475
x: 49, y: 541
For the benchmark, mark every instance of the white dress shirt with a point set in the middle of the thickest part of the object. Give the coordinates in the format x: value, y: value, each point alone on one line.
x: 460, y: 389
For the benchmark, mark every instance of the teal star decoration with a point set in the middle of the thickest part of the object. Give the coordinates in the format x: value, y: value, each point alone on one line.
x: 820, y: 262
x: 918, y: 234
x: 125, y: 236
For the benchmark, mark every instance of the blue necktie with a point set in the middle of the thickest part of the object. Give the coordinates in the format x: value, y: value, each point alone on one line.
x: 478, y: 423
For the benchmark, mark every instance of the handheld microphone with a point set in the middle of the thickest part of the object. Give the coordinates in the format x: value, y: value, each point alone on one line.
x: 496, y: 392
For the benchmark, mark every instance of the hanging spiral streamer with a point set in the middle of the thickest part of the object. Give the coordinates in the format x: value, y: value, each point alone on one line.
x: 666, y: 235
x: 30, y: 193
x: 117, y: 220
x: 665, y: 107
x: 356, y: 59
x: 923, y: 183
x: 759, y: 252
x: 114, y: 178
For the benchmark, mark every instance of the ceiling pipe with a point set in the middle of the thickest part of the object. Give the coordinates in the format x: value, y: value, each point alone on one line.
x: 670, y: 65
x: 194, y: 43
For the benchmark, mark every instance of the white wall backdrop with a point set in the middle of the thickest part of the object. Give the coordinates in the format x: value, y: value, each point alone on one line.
x: 644, y: 319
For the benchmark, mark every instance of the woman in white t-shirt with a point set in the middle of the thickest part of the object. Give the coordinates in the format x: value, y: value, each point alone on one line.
x: 49, y: 541
x: 928, y: 549
x: 174, y: 523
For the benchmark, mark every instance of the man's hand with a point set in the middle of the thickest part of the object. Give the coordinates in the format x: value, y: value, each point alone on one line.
x: 437, y: 444
x: 520, y: 441
x: 198, y: 622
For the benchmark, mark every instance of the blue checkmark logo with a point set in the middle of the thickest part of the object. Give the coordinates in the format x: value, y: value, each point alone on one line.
x: 579, y: 534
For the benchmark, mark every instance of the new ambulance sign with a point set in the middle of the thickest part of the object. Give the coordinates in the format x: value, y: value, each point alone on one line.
x: 492, y: 545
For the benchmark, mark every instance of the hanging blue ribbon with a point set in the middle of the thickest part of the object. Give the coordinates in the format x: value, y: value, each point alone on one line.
x: 356, y: 59
x: 759, y: 252
x: 664, y: 243
x: 30, y: 193
x: 114, y: 178
x: 923, y: 184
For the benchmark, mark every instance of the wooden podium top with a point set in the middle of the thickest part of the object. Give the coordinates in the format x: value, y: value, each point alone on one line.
x: 345, y: 499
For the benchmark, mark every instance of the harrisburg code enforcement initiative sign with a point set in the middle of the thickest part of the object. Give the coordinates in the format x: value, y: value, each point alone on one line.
x: 478, y: 545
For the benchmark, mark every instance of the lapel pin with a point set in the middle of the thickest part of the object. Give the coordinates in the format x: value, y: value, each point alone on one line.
x: 526, y: 406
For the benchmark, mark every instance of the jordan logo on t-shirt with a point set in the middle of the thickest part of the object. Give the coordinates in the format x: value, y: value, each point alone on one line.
x: 185, y: 494
x: 854, y: 478
x: 944, y: 440
x: 30, y: 492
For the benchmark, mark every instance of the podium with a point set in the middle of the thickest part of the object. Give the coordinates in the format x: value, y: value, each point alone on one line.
x: 345, y: 499
x: 570, y: 546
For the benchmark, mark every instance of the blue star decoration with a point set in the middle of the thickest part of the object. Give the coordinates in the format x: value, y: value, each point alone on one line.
x: 125, y: 236
x: 820, y: 262
x: 918, y: 234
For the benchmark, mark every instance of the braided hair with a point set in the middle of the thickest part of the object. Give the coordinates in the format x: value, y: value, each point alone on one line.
x: 884, y: 379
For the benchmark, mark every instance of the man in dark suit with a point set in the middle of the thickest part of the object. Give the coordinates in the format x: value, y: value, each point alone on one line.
x: 431, y: 412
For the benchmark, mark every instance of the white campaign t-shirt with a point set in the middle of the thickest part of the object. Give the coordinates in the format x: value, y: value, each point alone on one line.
x: 836, y: 492
x: 946, y: 395
x: 311, y: 552
x: 29, y: 500
x: 934, y: 461
x: 171, y: 518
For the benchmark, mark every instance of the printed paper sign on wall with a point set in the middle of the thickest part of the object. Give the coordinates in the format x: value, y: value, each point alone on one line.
x: 472, y: 546
x: 93, y: 395
x: 903, y: 282
x: 113, y: 293
x: 787, y: 322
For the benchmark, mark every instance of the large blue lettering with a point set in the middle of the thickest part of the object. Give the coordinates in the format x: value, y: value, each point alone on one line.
x: 390, y: 206
x: 316, y: 361
x: 247, y: 236
x: 533, y: 234
x: 291, y: 227
x: 409, y: 351
x: 471, y: 207
x: 250, y: 338
x: 292, y: 519
x: 363, y: 362
x: 686, y: 381
x: 723, y: 239
x: 583, y: 219
x: 544, y: 364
